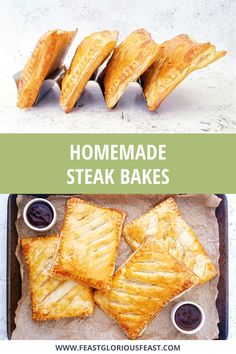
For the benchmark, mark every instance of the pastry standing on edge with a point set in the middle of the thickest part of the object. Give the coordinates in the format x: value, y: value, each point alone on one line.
x: 88, y: 244
x: 90, y: 54
x: 143, y: 285
x: 178, y: 57
x: 51, y: 298
x: 46, y: 58
x: 129, y: 60
x: 172, y: 232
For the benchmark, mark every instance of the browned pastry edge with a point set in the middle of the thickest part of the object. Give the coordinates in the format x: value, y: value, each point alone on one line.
x: 58, y: 269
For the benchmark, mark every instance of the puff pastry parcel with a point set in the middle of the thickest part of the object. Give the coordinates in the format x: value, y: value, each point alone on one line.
x: 143, y: 285
x: 51, y: 298
x: 172, y: 232
x: 90, y: 54
x: 89, y: 242
x: 129, y: 60
x: 177, y: 58
x: 46, y: 58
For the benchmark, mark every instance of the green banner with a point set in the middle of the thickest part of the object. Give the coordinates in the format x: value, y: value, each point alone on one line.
x: 117, y: 163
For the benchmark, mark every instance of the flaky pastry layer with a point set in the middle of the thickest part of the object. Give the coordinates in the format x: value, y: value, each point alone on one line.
x: 172, y: 232
x: 143, y: 285
x: 178, y: 57
x: 51, y: 298
x: 90, y: 54
x: 88, y: 244
x: 129, y: 60
x: 46, y: 58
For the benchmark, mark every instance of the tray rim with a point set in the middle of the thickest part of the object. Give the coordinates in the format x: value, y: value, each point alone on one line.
x: 224, y: 320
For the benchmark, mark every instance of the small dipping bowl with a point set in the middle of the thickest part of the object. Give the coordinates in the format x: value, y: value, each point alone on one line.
x: 39, y: 214
x: 188, y: 317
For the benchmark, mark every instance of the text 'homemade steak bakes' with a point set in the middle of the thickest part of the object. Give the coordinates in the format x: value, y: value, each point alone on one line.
x: 118, y: 152
x: 144, y: 176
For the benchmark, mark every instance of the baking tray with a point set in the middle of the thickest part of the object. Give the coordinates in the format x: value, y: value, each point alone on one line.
x: 14, y: 277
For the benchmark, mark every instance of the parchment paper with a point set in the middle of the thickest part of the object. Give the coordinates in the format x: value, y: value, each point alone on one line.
x: 198, y: 211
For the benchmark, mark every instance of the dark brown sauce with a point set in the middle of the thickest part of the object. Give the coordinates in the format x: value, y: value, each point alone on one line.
x: 188, y: 317
x: 39, y: 214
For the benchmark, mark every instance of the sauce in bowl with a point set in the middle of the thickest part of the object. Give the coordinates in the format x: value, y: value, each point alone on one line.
x: 188, y: 317
x: 39, y: 214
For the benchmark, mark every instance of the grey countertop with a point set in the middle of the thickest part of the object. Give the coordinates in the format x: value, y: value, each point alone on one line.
x: 232, y: 262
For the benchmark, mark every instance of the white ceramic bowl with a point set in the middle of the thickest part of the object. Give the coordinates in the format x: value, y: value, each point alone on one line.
x: 54, y: 219
x: 175, y: 308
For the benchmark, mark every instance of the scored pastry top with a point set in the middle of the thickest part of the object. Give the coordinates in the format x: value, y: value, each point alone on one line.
x: 159, y: 68
x: 88, y: 243
x: 52, y: 298
x: 90, y: 54
x: 177, y: 58
x: 129, y: 60
x: 46, y: 58
x: 143, y: 285
x: 167, y: 225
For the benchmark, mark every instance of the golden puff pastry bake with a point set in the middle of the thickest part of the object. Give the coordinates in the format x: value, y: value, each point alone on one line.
x: 143, y: 285
x: 46, y: 58
x: 90, y: 54
x: 89, y: 242
x: 129, y: 60
x: 172, y: 232
x: 178, y: 57
x: 51, y: 298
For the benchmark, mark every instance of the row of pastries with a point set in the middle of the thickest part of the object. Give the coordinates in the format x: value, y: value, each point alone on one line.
x: 159, y: 67
x: 72, y: 271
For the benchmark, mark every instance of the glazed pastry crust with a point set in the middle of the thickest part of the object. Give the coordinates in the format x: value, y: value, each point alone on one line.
x: 46, y: 58
x: 90, y: 54
x: 51, y: 298
x: 172, y: 232
x: 143, y: 285
x: 177, y: 58
x: 129, y: 60
x: 89, y: 242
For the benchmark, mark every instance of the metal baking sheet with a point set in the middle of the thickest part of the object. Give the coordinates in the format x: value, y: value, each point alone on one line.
x: 14, y: 278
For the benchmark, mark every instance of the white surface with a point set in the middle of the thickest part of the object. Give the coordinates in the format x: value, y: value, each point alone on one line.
x: 204, y: 102
x: 232, y: 262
